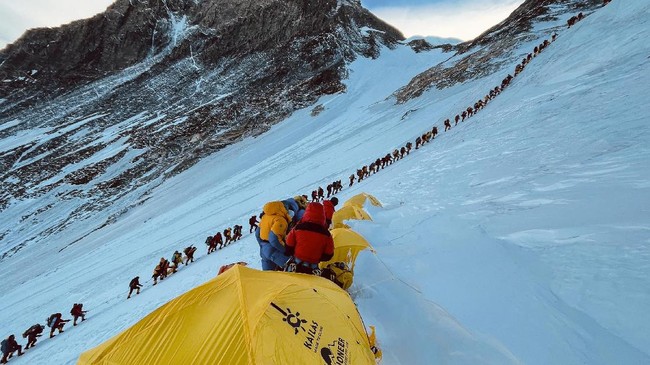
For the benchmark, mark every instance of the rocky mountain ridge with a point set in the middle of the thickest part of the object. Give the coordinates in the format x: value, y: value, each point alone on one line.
x: 108, y: 107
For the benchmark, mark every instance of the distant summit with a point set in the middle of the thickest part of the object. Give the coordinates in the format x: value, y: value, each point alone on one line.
x: 423, y: 44
x: 131, y: 31
x: 435, y: 41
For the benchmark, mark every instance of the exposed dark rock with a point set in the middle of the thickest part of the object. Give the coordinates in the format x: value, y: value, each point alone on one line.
x: 420, y: 45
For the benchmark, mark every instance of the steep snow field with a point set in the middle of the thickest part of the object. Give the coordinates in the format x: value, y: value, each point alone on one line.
x: 520, y: 236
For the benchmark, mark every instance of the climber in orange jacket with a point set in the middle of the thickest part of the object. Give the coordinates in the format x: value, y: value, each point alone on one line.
x: 271, y: 235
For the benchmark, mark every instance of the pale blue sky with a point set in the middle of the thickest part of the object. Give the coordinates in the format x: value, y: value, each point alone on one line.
x: 462, y: 19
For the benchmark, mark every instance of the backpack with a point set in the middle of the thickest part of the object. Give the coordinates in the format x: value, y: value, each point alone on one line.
x: 52, y: 319
x: 75, y: 309
x: 35, y: 329
x: 339, y: 273
x: 3, y: 346
x: 208, y: 240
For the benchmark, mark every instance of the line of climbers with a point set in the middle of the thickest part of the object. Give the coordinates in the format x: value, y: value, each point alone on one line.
x: 292, y: 234
x: 428, y: 136
x: 165, y: 267
x: 230, y: 235
x: 55, y: 321
x: 318, y: 195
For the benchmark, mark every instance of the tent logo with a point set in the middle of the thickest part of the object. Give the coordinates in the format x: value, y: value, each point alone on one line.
x: 336, y: 353
x: 293, y: 320
x: 312, y: 333
x: 326, y: 353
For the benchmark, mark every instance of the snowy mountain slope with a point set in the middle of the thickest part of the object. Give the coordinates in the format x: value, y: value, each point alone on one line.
x: 106, y: 108
x: 520, y: 236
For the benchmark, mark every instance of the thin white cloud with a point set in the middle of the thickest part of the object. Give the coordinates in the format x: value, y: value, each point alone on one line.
x: 18, y: 16
x: 464, y: 19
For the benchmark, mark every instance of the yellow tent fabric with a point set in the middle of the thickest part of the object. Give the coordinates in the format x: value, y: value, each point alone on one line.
x: 348, y: 212
x: 347, y: 245
x: 246, y: 316
x: 360, y: 199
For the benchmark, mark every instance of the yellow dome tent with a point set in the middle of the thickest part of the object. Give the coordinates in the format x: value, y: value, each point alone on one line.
x: 360, y: 199
x: 347, y: 245
x: 246, y: 316
x: 348, y: 212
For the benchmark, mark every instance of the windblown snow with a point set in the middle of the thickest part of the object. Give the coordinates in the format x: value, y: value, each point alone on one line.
x: 520, y: 236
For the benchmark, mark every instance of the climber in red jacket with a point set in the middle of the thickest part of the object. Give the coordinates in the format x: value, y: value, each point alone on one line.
x: 309, y: 242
